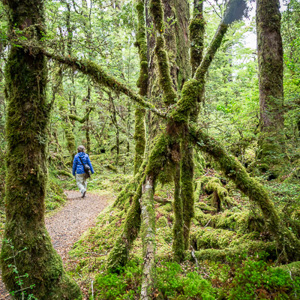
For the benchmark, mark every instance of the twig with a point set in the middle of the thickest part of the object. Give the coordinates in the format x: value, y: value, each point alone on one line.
x: 92, y: 285
x: 207, y: 223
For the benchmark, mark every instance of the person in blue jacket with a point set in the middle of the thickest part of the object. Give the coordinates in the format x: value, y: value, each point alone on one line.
x: 80, y: 159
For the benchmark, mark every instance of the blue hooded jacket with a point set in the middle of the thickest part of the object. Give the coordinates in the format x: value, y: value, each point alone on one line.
x: 77, y: 165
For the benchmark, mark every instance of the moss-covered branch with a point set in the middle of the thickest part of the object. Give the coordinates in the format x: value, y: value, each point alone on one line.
x: 286, y: 240
x: 234, y: 11
x: 93, y: 70
x: 197, y: 35
x: 81, y: 120
x: 161, y: 54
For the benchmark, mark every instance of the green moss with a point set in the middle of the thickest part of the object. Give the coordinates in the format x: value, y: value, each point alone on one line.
x: 139, y: 131
x: 190, y: 93
x: 286, y: 240
x: 178, y: 243
x: 270, y: 63
x: 197, y: 29
x: 250, y: 248
x: 158, y: 14
x: 187, y: 187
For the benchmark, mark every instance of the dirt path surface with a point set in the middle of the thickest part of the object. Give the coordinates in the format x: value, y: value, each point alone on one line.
x: 66, y: 226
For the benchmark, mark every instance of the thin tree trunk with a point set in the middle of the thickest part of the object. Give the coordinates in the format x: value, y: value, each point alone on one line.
x: 148, y: 238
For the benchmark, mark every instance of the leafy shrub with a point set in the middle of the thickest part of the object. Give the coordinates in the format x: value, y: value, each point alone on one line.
x: 255, y: 279
x: 126, y: 285
x: 173, y: 285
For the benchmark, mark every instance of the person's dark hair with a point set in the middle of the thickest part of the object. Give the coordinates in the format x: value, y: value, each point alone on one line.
x: 80, y: 148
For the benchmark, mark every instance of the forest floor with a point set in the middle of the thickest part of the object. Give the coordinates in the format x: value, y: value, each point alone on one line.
x: 66, y: 226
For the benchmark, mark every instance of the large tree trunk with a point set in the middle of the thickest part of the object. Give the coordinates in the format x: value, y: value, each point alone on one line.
x: 27, y: 246
x: 270, y: 62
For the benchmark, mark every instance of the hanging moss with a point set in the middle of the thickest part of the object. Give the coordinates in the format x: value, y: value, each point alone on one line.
x: 26, y: 135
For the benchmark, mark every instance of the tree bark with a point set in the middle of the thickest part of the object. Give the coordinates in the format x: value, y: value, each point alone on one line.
x: 148, y: 238
x: 27, y: 245
x: 270, y: 63
x: 139, y: 131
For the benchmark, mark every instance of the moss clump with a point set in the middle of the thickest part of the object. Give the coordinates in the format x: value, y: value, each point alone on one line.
x: 249, y: 248
x: 219, y: 195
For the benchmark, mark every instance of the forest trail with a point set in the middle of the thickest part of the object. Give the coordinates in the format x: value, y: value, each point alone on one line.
x: 67, y: 225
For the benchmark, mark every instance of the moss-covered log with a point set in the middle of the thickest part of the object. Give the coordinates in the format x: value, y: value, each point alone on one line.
x: 286, y: 240
x: 240, y: 222
x: 27, y: 246
x: 249, y: 248
x: 270, y: 63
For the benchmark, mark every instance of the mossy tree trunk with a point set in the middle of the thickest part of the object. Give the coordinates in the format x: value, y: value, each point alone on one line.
x: 26, y: 124
x: 270, y: 63
x: 187, y: 163
x: 139, y: 130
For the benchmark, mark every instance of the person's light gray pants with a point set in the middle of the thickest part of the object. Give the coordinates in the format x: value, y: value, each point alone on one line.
x: 81, y: 182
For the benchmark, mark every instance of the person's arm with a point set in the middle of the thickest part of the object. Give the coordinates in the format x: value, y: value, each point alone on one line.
x: 89, y: 163
x: 74, y: 166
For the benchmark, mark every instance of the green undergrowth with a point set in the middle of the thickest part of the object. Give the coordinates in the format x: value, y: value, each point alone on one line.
x: 233, y: 249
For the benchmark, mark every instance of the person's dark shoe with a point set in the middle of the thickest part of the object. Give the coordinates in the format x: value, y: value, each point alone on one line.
x: 83, y: 195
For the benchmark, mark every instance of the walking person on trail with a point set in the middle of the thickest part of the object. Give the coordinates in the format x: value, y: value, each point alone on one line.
x: 80, y: 165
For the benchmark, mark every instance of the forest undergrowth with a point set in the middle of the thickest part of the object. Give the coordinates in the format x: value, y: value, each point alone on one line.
x: 232, y: 254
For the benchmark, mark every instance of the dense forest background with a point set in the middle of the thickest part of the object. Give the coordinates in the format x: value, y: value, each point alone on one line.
x: 231, y: 252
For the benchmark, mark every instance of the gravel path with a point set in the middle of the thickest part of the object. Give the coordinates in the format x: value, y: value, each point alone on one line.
x: 66, y: 226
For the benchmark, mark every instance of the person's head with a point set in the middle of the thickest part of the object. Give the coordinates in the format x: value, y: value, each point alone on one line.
x: 80, y: 148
